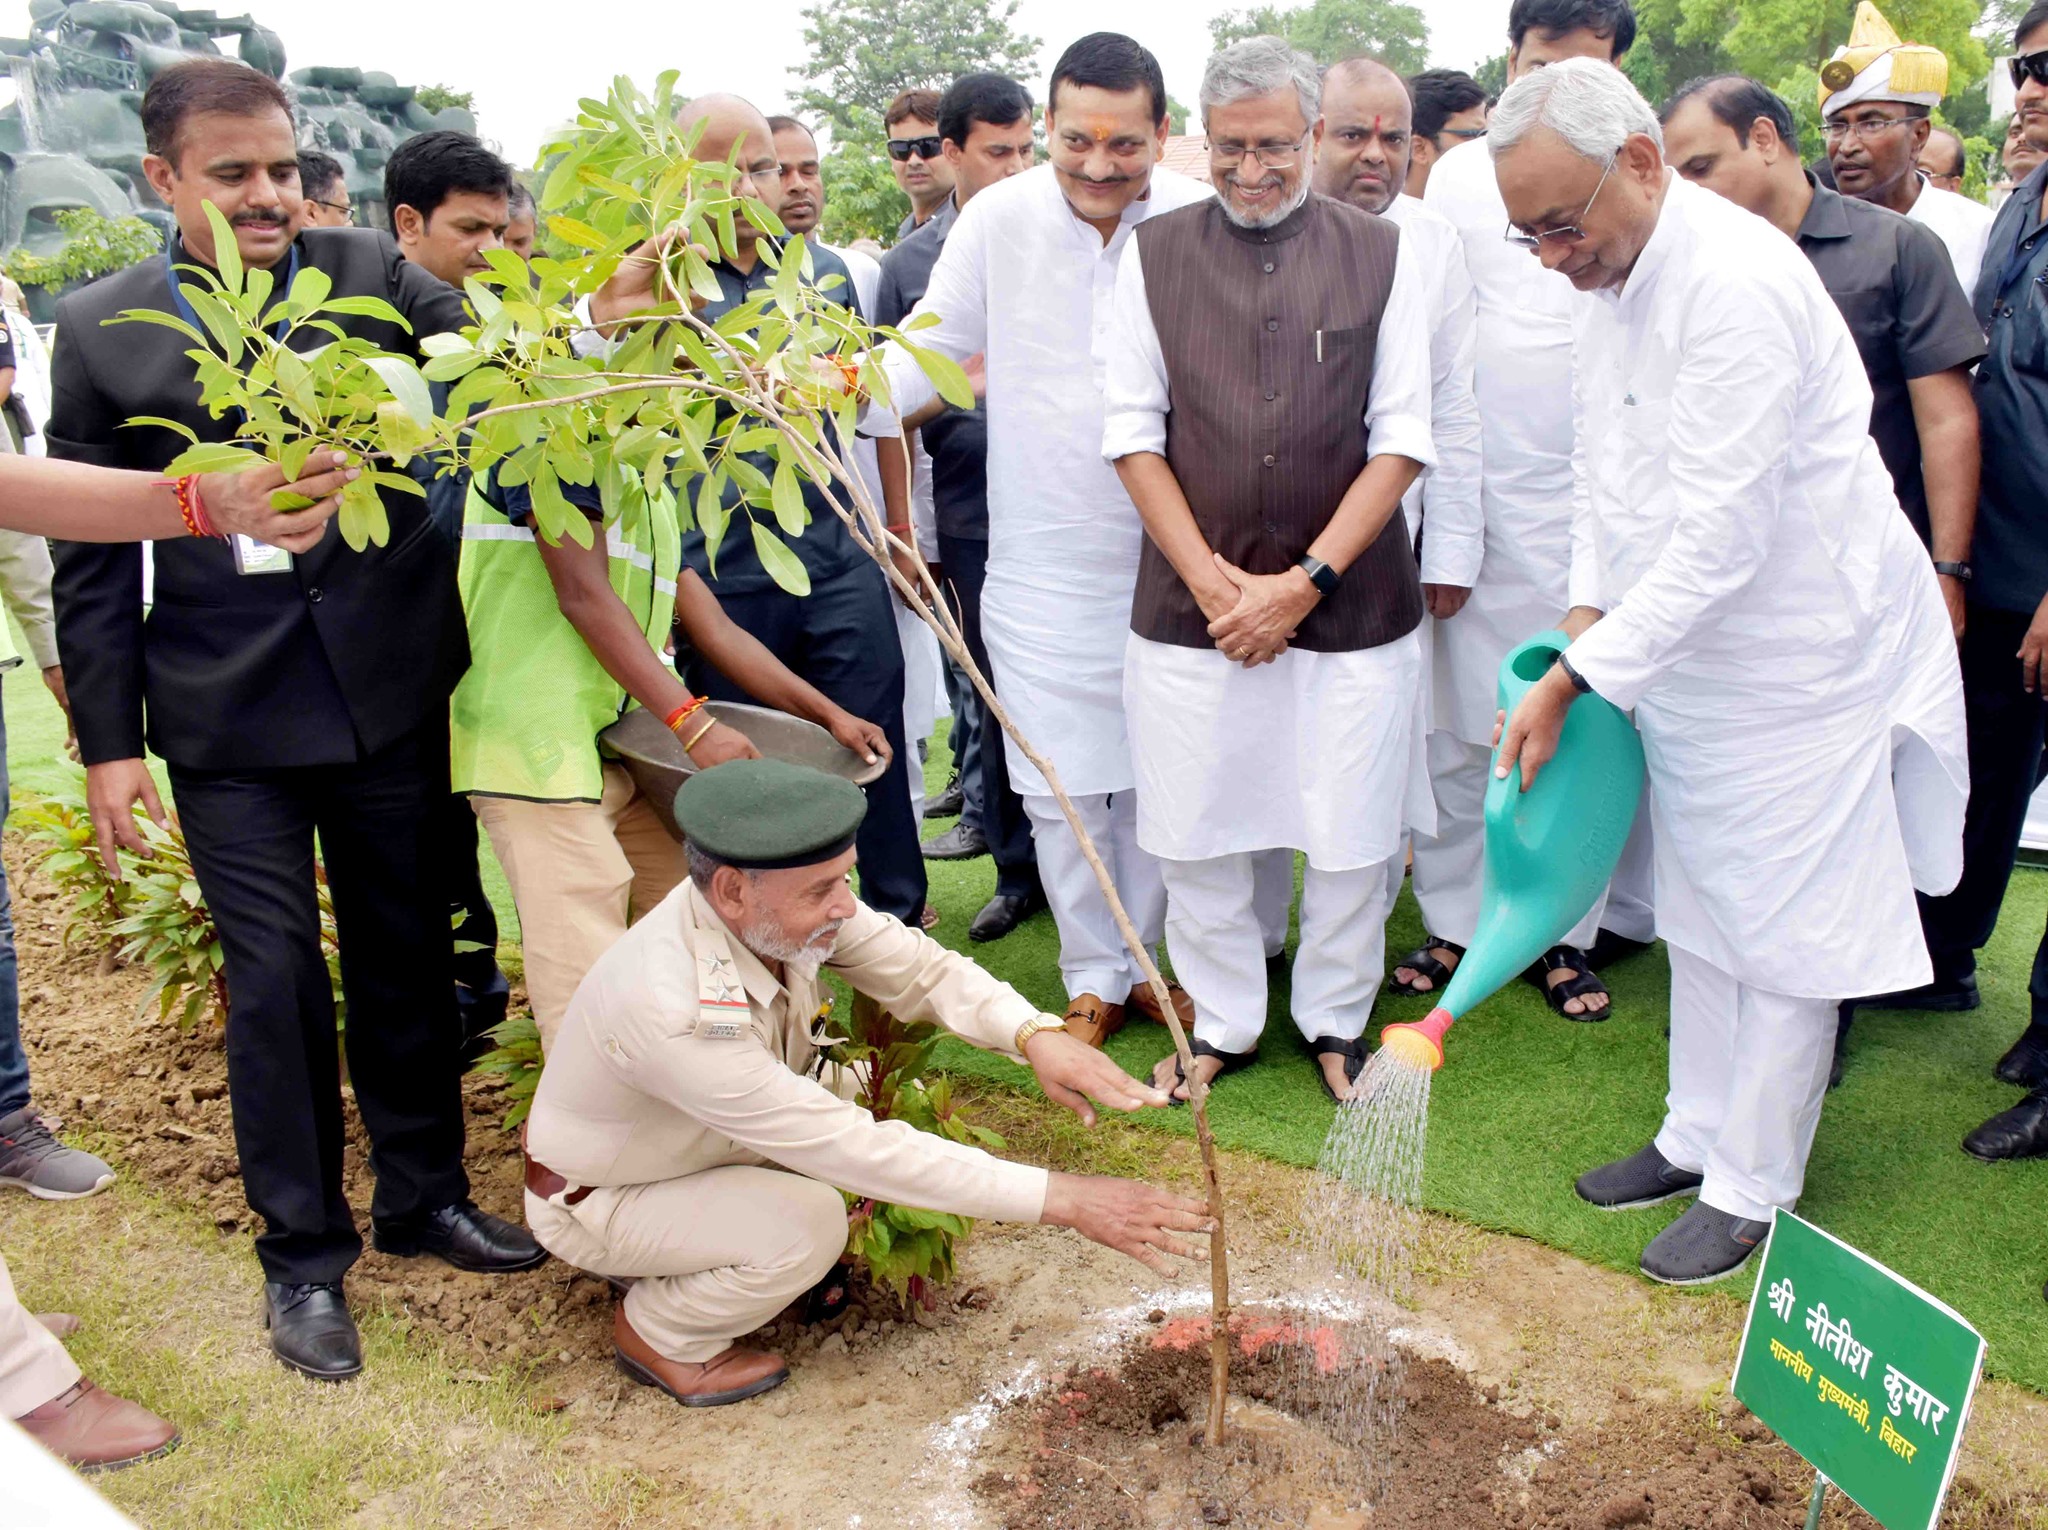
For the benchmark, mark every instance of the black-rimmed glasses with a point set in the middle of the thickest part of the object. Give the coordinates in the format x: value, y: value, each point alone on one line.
x: 1571, y: 233
x: 343, y: 208
x: 2029, y: 66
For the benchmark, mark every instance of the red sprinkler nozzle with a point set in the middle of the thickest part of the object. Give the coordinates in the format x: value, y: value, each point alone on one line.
x: 1420, y: 1044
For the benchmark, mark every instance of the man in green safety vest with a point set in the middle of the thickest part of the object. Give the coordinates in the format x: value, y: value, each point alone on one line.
x: 564, y: 639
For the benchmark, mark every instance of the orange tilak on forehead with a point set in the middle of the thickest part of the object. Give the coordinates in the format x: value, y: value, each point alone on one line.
x: 1101, y: 129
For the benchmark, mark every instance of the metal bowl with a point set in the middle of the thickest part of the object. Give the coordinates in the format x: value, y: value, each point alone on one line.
x: 654, y: 756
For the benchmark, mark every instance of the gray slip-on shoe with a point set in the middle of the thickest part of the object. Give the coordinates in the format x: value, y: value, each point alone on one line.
x: 32, y: 1159
x: 1703, y: 1246
x: 1647, y: 1178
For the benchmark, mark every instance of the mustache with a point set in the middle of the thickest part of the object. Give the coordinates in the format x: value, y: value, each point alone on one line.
x: 258, y: 220
x: 1103, y: 180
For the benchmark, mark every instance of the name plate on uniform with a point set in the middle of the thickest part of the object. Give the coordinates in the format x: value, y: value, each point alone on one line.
x: 1860, y: 1371
x: 254, y: 557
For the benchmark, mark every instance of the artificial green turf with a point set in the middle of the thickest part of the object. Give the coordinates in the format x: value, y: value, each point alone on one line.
x: 1526, y: 1101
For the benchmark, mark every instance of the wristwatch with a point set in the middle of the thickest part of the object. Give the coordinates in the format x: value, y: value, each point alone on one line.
x: 1320, y: 574
x: 1958, y: 571
x: 1579, y: 681
x: 1033, y: 1026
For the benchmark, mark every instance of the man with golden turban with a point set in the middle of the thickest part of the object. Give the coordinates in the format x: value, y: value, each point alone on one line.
x: 1876, y: 93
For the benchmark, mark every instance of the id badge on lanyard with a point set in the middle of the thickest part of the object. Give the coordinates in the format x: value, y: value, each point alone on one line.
x: 251, y: 556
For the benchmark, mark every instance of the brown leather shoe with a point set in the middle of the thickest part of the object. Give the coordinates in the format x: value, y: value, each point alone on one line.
x: 62, y: 1325
x: 98, y: 1432
x: 1142, y: 1001
x: 732, y: 1375
x: 1093, y: 1020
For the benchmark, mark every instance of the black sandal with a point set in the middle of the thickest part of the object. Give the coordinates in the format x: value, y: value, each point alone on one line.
x: 1426, y: 965
x: 1231, y: 1061
x: 1583, y: 982
x: 1352, y: 1051
x: 829, y: 1297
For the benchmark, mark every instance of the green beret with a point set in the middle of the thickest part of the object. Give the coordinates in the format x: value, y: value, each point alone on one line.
x: 764, y: 815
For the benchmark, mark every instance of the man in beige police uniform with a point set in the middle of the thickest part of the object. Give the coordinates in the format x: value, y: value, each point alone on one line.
x: 682, y: 1134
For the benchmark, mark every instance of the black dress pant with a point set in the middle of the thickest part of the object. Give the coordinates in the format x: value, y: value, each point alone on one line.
x: 379, y: 823
x: 1003, y: 820
x: 842, y: 638
x: 2007, y: 728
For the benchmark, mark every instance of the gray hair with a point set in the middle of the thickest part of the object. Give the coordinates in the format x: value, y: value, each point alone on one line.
x: 704, y: 866
x: 1258, y: 66
x: 1587, y: 102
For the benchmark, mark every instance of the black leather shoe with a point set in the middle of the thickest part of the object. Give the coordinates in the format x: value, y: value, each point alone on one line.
x: 468, y: 1238
x: 311, y: 1330
x: 1940, y: 997
x: 962, y: 842
x: 948, y: 802
x: 2026, y: 1064
x: 1003, y: 913
x: 2021, y: 1132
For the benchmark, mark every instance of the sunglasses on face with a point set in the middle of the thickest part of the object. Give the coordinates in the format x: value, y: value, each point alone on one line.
x: 902, y: 149
x: 2029, y: 66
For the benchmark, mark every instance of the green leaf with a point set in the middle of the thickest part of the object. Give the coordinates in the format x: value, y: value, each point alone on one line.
x: 362, y: 516
x: 406, y: 385
x: 221, y: 321
x: 227, y: 255
x: 367, y: 308
x: 711, y: 517
x: 787, y: 497
x: 577, y: 232
x: 782, y: 565
x: 211, y: 457
x: 310, y: 288
x: 154, y: 316
x: 446, y: 368
x: 163, y: 424
x: 945, y: 374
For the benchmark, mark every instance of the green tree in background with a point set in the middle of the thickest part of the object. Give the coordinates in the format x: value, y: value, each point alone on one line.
x: 862, y: 53
x: 1329, y: 30
x: 440, y: 97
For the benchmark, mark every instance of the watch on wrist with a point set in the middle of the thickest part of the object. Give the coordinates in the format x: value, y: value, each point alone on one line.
x: 1320, y: 574
x: 1579, y: 681
x: 1961, y: 572
x: 1033, y: 1026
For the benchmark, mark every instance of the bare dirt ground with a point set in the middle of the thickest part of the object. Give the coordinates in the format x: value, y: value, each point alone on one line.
x: 1545, y: 1392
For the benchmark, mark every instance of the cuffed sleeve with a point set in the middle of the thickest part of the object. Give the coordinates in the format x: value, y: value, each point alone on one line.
x: 957, y: 294
x: 1397, y: 409
x: 1135, y: 393
x: 1454, y: 519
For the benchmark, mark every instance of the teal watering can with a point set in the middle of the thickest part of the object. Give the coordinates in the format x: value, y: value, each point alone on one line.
x: 1549, y: 850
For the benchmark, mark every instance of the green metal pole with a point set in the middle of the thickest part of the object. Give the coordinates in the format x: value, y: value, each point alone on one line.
x: 1813, y: 1508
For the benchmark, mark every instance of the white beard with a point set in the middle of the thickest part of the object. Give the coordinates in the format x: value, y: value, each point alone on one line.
x: 799, y: 959
x: 1267, y: 219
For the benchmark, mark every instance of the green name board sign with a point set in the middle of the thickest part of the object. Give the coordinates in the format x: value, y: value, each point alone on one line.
x: 1863, y: 1373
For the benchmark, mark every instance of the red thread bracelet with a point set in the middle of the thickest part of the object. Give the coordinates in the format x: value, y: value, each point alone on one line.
x: 681, y: 714
x: 192, y: 506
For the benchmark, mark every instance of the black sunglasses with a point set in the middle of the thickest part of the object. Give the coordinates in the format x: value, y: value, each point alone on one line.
x: 900, y: 149
x: 2029, y: 66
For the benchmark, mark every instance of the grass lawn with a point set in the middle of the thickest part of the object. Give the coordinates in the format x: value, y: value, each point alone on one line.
x: 1527, y: 1101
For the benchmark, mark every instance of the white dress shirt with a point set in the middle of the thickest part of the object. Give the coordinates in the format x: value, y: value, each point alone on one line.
x: 1446, y: 496
x: 1766, y: 614
x: 1521, y: 380
x: 1026, y: 282
x: 1963, y: 225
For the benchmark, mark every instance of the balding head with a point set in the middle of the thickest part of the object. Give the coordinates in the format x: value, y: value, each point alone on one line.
x: 1367, y: 122
x: 735, y: 131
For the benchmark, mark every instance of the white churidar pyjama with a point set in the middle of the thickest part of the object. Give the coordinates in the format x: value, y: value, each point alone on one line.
x: 1215, y: 936
x: 1749, y: 1070
x: 1093, y: 956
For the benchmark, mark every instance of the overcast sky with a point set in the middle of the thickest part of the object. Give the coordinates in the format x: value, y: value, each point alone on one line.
x: 530, y: 62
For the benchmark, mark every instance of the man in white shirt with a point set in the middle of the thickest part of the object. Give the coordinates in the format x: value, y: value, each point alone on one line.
x: 1273, y: 681
x: 1027, y: 277
x: 1742, y: 580
x: 1875, y: 95
x: 1522, y: 382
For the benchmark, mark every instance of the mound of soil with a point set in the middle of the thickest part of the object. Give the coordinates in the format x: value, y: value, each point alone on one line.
x: 1117, y: 1446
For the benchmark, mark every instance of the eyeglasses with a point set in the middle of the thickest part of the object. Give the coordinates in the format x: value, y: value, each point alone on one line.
x: 1571, y: 233
x: 1866, y: 129
x: 1466, y: 133
x: 343, y: 208
x: 901, y: 149
x: 1270, y: 156
x: 2029, y: 66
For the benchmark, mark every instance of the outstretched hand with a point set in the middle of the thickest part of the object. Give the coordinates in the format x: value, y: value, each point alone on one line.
x: 1072, y: 1073
x: 243, y: 503
x: 1140, y: 1220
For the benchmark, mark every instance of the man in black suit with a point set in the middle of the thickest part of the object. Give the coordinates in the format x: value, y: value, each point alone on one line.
x: 288, y: 698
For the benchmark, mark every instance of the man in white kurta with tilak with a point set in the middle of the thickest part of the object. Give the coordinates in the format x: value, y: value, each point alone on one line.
x: 1744, y: 582
x: 1028, y: 277
x: 1268, y: 402
x: 1522, y: 380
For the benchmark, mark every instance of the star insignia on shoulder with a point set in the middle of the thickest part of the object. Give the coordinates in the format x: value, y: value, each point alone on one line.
x: 719, y: 965
x: 724, y: 991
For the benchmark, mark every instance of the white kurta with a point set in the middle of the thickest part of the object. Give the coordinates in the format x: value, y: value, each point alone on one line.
x: 1522, y: 383
x: 1024, y: 281
x: 1735, y: 522
x: 1962, y: 225
x: 1316, y: 751
x: 1447, y: 495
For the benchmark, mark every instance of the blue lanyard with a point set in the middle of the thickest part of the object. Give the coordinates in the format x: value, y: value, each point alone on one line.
x: 185, y: 304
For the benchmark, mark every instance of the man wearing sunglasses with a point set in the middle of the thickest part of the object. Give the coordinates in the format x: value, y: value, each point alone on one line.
x: 917, y: 156
x: 1743, y: 582
x: 1875, y: 95
x: 2005, y: 649
x: 1522, y: 378
x: 1450, y: 109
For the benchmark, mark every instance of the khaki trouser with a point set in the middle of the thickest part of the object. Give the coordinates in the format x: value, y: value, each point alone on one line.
x: 716, y: 1254
x: 33, y: 1366
x: 581, y: 872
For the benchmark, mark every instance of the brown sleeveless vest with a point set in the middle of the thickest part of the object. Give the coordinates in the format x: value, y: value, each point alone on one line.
x: 1268, y: 337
